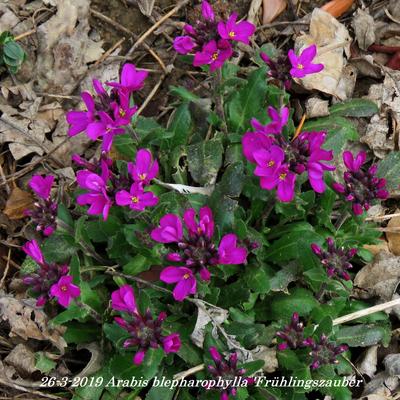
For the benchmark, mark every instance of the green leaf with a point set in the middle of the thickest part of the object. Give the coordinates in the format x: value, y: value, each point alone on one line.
x: 363, y: 335
x: 180, y: 126
x: 258, y: 279
x: 245, y: 102
x: 183, y: 93
x: 157, y: 393
x: 289, y: 360
x: 101, y: 231
x: 389, y: 168
x: 44, y: 364
x: 59, y: 247
x: 122, y: 367
x: 138, y: 264
x: 14, y: 51
x: 81, y: 333
x: 282, y: 306
x: 90, y: 297
x: 339, y: 129
x: 205, y: 160
x: 72, y: 312
x: 354, y: 108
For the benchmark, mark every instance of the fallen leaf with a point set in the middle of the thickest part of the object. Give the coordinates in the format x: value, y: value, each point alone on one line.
x: 96, y: 359
x: 219, y: 315
x: 29, y: 322
x: 378, y: 278
x: 316, y: 107
x: 146, y: 6
x: 381, y: 387
x: 17, y: 203
x: 22, y: 358
x: 364, y: 29
x: 332, y: 39
x: 368, y: 364
x: 272, y: 9
x: 392, y: 364
x: 268, y: 355
x: 393, y: 238
x: 377, y: 248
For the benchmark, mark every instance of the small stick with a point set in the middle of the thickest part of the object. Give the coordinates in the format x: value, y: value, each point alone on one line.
x: 300, y: 127
x: 326, y: 49
x: 157, y: 24
x: 190, y: 371
x: 382, y: 217
x: 365, y: 312
x: 151, y: 95
x: 6, y: 270
x: 109, y: 51
x: 25, y: 34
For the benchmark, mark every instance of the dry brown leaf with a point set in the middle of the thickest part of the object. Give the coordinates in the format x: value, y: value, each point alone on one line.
x: 368, y: 364
x: 316, y: 107
x: 331, y: 38
x: 379, y: 278
x: 392, y: 364
x: 65, y: 48
x: 29, y: 322
x: 96, y: 359
x: 377, y: 248
x: 272, y: 9
x: 17, y: 203
x: 381, y: 387
x: 393, y: 238
x: 382, y: 134
x: 268, y: 355
x: 22, y: 358
x: 364, y: 29
x: 146, y: 6
x: 7, y: 18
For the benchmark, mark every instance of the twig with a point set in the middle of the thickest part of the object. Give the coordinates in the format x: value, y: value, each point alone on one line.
x: 109, y: 51
x: 366, y: 311
x: 33, y: 164
x: 151, y: 95
x: 6, y: 269
x: 130, y: 33
x: 157, y: 24
x: 382, y: 217
x: 25, y: 34
x: 188, y: 372
x: 4, y: 181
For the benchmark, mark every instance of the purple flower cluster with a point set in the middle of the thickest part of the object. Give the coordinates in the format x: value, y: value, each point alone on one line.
x: 211, y: 40
x: 335, y: 260
x: 322, y: 352
x: 227, y: 371
x: 293, y: 66
x: 360, y: 187
x: 145, y: 331
x: 104, y: 185
x: 279, y: 160
x: 107, y: 112
x: 44, y: 213
x: 50, y: 280
x: 196, y: 250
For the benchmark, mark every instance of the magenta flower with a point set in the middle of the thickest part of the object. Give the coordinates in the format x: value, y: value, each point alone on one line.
x: 145, y: 331
x: 131, y: 79
x: 207, y: 11
x: 302, y: 65
x: 170, y: 229
x: 205, y: 226
x: 97, y: 197
x: 137, y: 199
x: 123, y: 299
x: 48, y: 280
x: 144, y: 169
x: 238, y: 31
x: 284, y: 180
x: 227, y: 372
x: 44, y: 211
x: 361, y: 187
x: 172, y: 343
x: 64, y: 290
x: 335, y: 260
x: 228, y: 251
x: 184, y: 44
x: 253, y: 141
x: 195, y: 249
x: 213, y: 54
x: 324, y: 352
x: 41, y: 185
x: 123, y: 113
x: 32, y: 249
x: 183, y: 277
x: 80, y: 120
x: 268, y: 161
x: 279, y: 120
